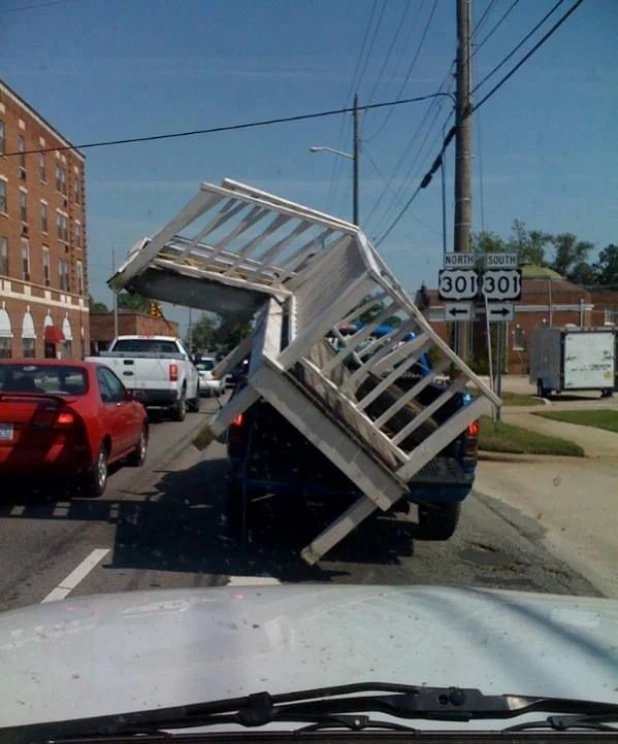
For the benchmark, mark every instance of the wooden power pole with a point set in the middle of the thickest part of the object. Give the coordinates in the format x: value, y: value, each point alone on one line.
x: 355, y: 159
x: 463, y: 158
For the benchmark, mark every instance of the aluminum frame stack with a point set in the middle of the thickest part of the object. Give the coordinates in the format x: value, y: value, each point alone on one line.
x: 308, y: 275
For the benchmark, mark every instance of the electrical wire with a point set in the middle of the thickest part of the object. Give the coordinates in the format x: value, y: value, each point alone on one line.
x: 410, y: 69
x: 400, y: 26
x: 19, y: 8
x: 516, y: 48
x: 483, y: 18
x: 336, y: 169
x: 449, y: 137
x: 496, y: 26
x: 228, y: 128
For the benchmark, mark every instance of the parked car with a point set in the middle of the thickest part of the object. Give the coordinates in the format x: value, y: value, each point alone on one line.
x: 65, y: 418
x: 157, y: 369
x: 208, y: 384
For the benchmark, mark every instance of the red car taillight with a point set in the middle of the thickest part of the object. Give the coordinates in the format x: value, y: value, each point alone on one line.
x: 52, y: 418
x: 173, y: 373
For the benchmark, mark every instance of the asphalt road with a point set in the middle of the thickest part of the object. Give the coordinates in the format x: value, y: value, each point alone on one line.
x: 161, y: 526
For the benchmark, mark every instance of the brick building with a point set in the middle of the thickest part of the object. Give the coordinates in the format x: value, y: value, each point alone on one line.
x: 43, y: 252
x: 129, y: 324
x: 547, y: 299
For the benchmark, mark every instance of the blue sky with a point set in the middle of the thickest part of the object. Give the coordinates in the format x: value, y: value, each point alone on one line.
x: 105, y: 69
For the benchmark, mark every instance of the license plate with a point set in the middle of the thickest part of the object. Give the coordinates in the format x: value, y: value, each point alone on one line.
x: 6, y: 432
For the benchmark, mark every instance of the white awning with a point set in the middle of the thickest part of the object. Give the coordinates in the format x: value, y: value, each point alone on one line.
x: 49, y: 321
x: 66, y: 330
x: 5, y: 324
x: 27, y: 326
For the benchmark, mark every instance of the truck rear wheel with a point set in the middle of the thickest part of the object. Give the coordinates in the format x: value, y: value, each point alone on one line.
x: 438, y: 522
x: 179, y: 411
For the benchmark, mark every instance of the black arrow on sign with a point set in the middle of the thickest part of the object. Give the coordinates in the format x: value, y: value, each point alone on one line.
x: 503, y: 311
x: 454, y: 311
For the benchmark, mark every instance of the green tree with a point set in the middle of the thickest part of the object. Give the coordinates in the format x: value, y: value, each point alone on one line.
x: 606, y: 266
x: 530, y: 245
x: 230, y: 333
x: 203, y: 334
x: 134, y: 302
x: 569, y: 252
x: 96, y: 306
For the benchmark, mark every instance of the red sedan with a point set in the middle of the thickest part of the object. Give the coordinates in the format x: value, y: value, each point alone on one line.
x: 66, y: 418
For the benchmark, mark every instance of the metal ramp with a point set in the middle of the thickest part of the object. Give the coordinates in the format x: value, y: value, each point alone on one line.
x: 341, y: 392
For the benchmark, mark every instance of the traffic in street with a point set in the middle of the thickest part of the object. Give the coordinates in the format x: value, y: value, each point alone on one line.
x: 163, y: 526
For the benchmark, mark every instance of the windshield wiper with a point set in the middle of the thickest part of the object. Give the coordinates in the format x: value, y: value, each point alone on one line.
x: 323, y: 707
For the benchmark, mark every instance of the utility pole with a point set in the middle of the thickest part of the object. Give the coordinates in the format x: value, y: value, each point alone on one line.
x: 463, y: 156
x: 356, y: 157
x: 115, y: 294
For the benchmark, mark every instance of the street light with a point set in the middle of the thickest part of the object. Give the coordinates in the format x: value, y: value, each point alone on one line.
x: 354, y: 157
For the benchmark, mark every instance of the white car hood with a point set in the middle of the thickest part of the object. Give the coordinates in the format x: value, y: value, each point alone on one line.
x: 108, y: 654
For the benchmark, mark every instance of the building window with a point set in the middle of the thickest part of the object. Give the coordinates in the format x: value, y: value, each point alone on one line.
x: 3, y: 202
x: 23, y: 205
x: 63, y: 275
x: 61, y: 180
x: 78, y: 235
x: 21, y: 149
x: 29, y: 351
x: 5, y: 347
x: 77, y: 191
x: 46, y: 277
x: 25, y: 260
x: 2, y: 138
x: 42, y: 167
x: 4, y: 256
x: 62, y: 227
x: 519, y: 339
x: 79, y: 273
x: 44, y: 224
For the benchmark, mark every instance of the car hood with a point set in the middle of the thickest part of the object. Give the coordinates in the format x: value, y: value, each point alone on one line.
x: 107, y: 654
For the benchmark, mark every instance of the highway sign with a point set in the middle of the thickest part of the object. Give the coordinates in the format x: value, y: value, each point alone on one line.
x: 458, y: 284
x: 459, y: 260
x: 499, y: 285
x: 457, y: 311
x: 502, y: 312
x: 501, y: 260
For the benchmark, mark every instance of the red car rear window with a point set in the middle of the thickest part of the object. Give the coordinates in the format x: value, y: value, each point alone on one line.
x: 43, y: 378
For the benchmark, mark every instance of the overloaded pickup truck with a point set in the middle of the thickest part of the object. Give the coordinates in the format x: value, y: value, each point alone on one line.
x: 272, y: 465
x: 157, y: 370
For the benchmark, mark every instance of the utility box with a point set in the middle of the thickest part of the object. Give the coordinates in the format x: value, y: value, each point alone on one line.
x: 573, y: 359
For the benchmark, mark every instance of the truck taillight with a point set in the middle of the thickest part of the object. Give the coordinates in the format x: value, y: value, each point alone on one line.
x: 473, y: 429
x: 238, y: 421
x: 173, y: 373
x: 472, y: 440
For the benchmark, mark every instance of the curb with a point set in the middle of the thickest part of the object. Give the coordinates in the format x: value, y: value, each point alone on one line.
x: 487, y: 456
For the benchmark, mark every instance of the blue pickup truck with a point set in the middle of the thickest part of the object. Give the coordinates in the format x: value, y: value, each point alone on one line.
x: 269, y: 462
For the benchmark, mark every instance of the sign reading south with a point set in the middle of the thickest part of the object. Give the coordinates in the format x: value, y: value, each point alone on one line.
x: 501, y: 261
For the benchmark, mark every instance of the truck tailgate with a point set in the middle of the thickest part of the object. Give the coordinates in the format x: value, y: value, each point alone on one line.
x: 139, y: 373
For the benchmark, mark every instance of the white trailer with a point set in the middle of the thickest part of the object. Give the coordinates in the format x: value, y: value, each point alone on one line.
x: 572, y: 359
x: 238, y: 250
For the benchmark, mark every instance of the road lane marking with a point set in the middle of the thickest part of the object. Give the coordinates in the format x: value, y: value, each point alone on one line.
x: 253, y: 581
x: 78, y: 574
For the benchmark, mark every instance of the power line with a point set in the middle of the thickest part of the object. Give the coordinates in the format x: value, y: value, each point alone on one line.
x: 400, y: 25
x: 449, y: 137
x: 516, y: 48
x: 527, y: 56
x: 496, y: 26
x: 228, y: 128
x: 410, y: 68
x: 336, y: 169
x: 483, y: 17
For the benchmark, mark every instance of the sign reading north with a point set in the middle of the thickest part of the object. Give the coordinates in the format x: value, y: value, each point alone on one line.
x: 458, y: 284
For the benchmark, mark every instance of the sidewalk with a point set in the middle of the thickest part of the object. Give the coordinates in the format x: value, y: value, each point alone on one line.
x: 595, y: 442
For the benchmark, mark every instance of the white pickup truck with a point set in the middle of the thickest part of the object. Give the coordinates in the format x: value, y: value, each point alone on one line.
x: 157, y: 370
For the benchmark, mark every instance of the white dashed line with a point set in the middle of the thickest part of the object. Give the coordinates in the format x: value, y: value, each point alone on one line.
x: 78, y: 574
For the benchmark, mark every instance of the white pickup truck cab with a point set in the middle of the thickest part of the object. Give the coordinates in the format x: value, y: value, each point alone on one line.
x: 157, y: 370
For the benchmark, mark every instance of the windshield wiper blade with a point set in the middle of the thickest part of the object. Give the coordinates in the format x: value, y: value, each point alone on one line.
x: 568, y: 722
x: 312, y: 706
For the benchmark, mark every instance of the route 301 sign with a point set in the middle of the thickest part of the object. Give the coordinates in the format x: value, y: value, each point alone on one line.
x: 458, y: 284
x: 500, y: 285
